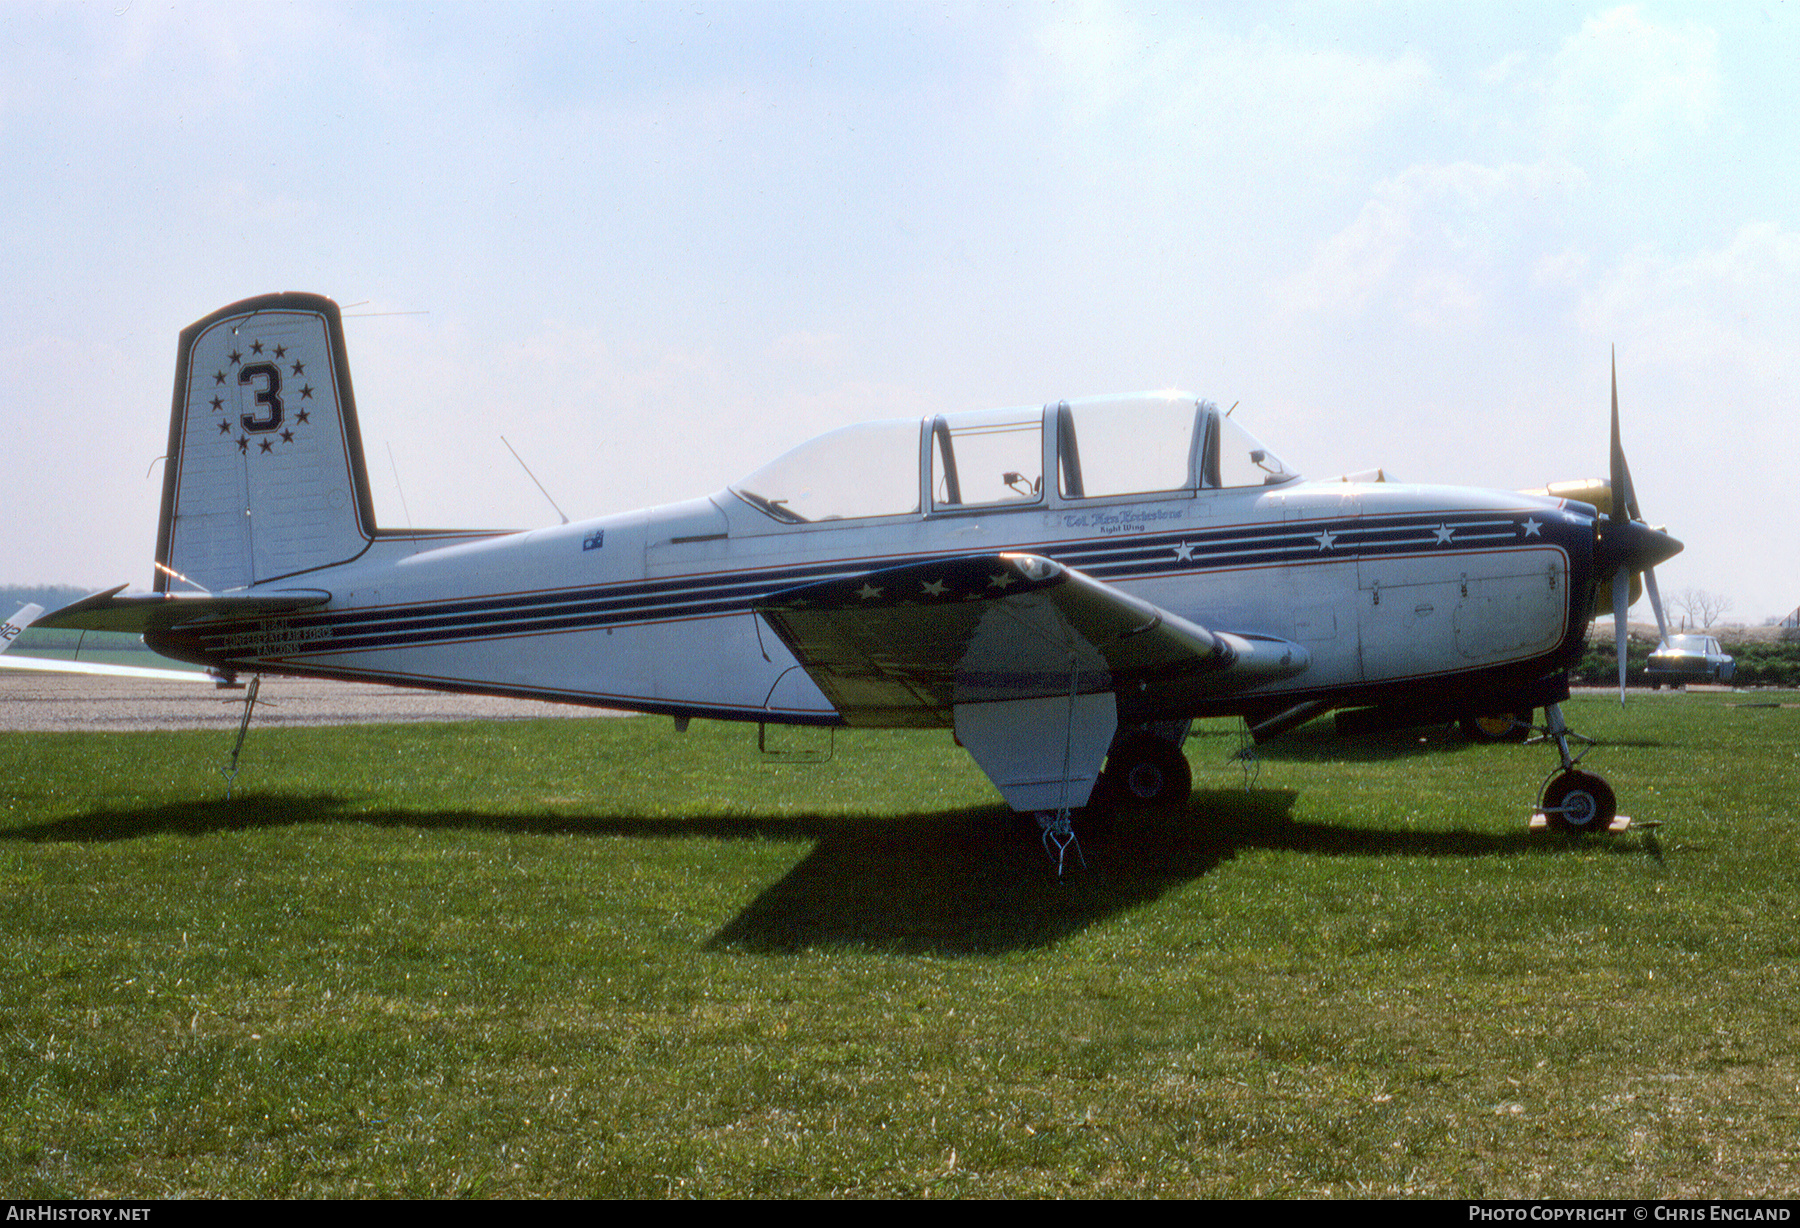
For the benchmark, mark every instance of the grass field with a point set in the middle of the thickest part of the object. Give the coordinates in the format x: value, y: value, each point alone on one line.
x: 531, y: 959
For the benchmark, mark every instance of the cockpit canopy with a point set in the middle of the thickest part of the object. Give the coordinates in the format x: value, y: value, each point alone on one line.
x: 1096, y: 448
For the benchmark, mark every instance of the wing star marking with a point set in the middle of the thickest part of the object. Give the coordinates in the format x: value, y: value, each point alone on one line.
x: 935, y: 588
x: 868, y: 592
x: 1531, y: 527
x: 1002, y: 580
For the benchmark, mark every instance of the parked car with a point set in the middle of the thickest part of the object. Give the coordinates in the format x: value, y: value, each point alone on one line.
x: 1689, y: 658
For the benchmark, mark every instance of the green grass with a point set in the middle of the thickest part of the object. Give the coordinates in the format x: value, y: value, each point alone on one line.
x: 599, y: 958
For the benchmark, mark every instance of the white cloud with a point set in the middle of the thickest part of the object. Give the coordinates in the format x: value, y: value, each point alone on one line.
x: 1437, y: 244
x: 1186, y: 83
x: 1730, y: 314
x: 1628, y: 86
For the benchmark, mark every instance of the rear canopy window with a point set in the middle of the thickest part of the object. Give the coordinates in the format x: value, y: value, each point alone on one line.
x: 1125, y: 445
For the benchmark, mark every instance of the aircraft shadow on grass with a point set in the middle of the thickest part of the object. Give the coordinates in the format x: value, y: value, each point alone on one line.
x: 972, y: 881
x: 968, y: 883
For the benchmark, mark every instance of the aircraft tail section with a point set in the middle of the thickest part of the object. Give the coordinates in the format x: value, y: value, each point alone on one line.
x: 265, y: 476
x: 12, y: 627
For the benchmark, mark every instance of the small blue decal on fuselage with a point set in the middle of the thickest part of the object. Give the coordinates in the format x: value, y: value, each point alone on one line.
x: 594, y: 540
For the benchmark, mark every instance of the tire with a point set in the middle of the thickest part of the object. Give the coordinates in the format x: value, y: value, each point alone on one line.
x: 1579, y: 802
x: 1498, y: 727
x: 1144, y: 775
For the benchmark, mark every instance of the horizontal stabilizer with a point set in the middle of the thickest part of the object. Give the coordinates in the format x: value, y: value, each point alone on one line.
x: 117, y: 610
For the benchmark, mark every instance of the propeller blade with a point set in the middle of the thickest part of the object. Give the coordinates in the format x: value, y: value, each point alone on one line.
x: 1621, y: 476
x: 1662, y: 624
x: 1626, y: 544
x: 1631, y: 504
x: 1621, y: 584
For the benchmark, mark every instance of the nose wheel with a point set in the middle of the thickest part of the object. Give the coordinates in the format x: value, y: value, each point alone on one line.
x: 1578, y: 801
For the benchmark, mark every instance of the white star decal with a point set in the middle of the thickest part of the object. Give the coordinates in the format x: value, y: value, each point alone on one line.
x: 935, y: 588
x: 1184, y: 552
x: 1531, y: 528
x: 1002, y: 580
x: 1443, y: 533
x: 1325, y: 539
x: 868, y: 592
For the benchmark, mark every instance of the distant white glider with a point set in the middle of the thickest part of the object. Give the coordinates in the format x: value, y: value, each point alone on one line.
x: 28, y: 614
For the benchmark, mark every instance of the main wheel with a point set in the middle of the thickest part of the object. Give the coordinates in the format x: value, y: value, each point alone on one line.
x: 1498, y: 727
x: 1144, y: 773
x: 1579, y: 801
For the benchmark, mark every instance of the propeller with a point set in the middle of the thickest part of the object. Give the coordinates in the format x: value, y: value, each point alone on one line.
x: 1624, y: 544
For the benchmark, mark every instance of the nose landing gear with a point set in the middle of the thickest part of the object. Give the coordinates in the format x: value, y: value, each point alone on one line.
x: 1573, y: 800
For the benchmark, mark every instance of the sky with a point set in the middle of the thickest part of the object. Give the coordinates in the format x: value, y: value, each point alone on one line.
x: 655, y: 245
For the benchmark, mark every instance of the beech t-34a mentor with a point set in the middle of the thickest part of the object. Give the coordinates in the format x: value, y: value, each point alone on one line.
x: 1065, y: 586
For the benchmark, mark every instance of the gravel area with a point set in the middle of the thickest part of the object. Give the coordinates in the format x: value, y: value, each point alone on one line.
x: 36, y: 702
x: 33, y: 702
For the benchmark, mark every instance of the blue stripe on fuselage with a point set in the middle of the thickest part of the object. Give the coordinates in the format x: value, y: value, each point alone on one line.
x: 1142, y: 556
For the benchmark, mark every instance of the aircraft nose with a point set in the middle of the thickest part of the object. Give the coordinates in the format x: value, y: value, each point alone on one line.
x: 1633, y: 545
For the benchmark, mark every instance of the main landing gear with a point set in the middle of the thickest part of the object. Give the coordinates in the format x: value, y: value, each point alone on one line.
x: 1145, y: 773
x: 1573, y: 800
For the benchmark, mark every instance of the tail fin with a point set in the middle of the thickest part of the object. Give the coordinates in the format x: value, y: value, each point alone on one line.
x: 265, y: 476
x: 10, y: 629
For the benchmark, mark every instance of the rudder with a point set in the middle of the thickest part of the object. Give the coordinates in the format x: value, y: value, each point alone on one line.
x: 265, y: 475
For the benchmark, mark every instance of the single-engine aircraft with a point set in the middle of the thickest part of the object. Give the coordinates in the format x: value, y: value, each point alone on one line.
x: 1065, y: 586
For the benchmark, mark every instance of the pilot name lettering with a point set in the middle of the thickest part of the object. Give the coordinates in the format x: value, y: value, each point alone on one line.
x: 1130, y: 520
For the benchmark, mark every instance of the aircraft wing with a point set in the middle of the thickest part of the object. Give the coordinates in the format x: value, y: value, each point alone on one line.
x: 906, y: 645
